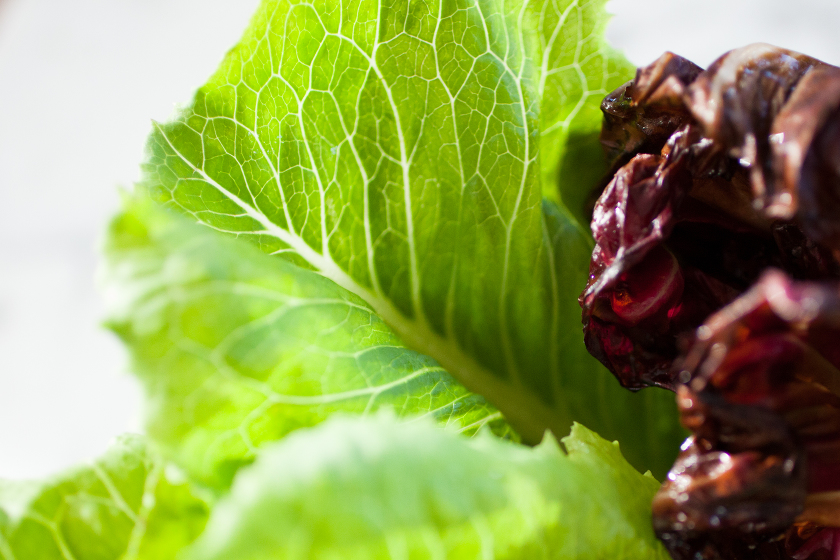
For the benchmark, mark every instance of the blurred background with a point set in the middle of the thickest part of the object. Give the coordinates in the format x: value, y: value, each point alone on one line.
x: 79, y: 83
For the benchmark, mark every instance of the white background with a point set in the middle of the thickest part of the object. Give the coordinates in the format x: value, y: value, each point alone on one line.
x: 80, y: 81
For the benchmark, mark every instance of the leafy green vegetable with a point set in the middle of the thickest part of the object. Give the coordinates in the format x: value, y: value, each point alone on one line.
x: 401, y: 184
x: 236, y: 348
x: 401, y: 150
x: 123, y: 506
x: 372, y: 488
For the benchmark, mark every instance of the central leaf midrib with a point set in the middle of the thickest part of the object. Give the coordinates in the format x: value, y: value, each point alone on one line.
x: 524, y: 411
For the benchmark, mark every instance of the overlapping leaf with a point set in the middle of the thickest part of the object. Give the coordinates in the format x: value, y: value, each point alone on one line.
x: 395, y: 147
x: 236, y: 348
x: 121, y: 507
x: 372, y: 489
x: 408, y: 165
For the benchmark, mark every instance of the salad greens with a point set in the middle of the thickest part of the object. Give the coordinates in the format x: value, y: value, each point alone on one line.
x: 261, y: 347
x: 373, y: 204
x: 122, y: 506
x: 371, y: 488
x: 395, y: 148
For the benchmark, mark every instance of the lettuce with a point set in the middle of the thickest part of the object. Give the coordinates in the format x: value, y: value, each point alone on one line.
x: 236, y: 348
x: 122, y: 506
x: 372, y: 209
x: 372, y: 488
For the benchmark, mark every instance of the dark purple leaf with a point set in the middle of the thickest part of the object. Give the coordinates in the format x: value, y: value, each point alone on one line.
x: 716, y: 273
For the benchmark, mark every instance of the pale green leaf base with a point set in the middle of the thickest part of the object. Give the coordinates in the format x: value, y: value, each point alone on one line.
x: 369, y: 489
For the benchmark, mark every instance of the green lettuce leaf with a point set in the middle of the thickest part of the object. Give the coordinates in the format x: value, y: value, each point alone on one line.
x: 402, y: 149
x: 372, y: 488
x: 236, y: 348
x: 123, y: 506
x: 401, y: 184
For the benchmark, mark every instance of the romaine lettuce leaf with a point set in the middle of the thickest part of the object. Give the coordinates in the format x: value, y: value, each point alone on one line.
x: 123, y: 506
x: 236, y: 348
x: 371, y: 488
x: 401, y: 183
x: 402, y: 149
